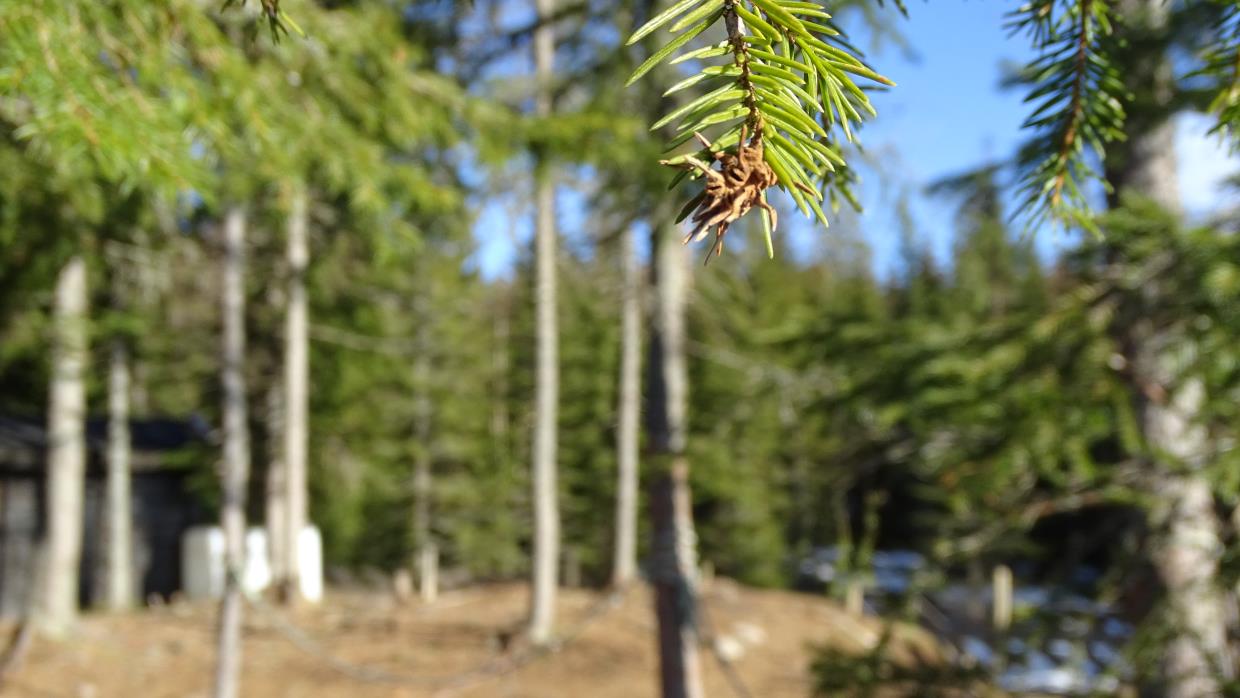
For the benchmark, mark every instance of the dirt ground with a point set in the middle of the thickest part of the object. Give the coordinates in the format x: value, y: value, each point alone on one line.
x: 368, y: 645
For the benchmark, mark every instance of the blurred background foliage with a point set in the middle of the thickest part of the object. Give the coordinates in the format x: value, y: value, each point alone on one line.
x: 976, y: 409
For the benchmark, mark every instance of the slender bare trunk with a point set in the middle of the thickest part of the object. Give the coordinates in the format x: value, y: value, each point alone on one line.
x: 673, y: 568
x: 624, y: 567
x: 66, y: 451
x: 119, y: 499
x: 546, y: 506
x: 427, y: 555
x: 296, y: 393
x: 275, y: 508
x: 236, y: 457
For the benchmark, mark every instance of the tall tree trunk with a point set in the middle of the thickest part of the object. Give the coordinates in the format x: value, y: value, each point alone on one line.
x: 236, y: 457
x: 275, y: 507
x: 546, y: 505
x: 673, y: 568
x: 426, y: 554
x: 66, y: 451
x: 624, y: 567
x: 1186, y: 543
x: 296, y: 394
x: 119, y: 499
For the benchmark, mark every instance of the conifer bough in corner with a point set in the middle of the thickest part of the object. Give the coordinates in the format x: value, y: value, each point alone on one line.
x: 778, y: 98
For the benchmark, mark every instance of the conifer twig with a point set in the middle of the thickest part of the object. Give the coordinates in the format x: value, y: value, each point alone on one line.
x: 778, y: 99
x: 1075, y: 110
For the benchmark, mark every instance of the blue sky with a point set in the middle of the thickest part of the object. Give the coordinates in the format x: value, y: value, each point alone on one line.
x: 946, y: 115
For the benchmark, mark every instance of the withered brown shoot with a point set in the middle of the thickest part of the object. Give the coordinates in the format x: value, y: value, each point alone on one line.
x: 737, y: 186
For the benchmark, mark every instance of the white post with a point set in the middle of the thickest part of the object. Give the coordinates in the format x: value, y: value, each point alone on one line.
x: 854, y: 597
x: 428, y: 584
x: 1001, y: 595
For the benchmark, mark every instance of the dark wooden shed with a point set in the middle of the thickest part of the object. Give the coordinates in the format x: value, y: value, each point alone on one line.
x: 164, y: 451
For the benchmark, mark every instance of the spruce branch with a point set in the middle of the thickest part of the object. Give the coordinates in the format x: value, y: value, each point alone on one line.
x: 1076, y: 95
x: 778, y: 105
x: 740, y: 56
x: 1072, y: 122
x: 1220, y: 65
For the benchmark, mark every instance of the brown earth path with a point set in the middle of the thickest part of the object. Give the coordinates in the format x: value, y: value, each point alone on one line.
x: 459, y: 646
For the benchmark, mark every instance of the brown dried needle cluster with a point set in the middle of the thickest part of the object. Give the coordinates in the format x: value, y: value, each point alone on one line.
x: 737, y: 186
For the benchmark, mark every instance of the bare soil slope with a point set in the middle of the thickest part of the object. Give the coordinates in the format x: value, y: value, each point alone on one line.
x: 465, y: 645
